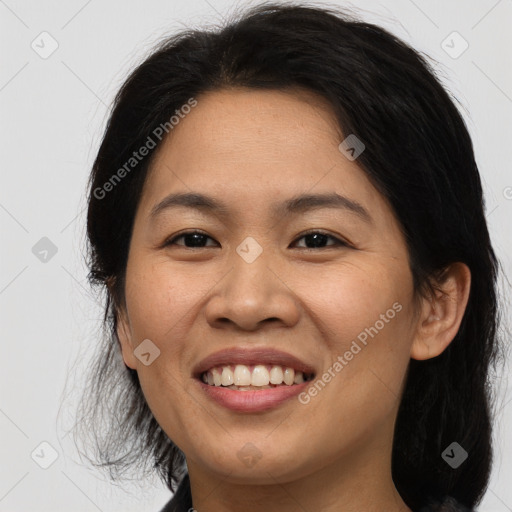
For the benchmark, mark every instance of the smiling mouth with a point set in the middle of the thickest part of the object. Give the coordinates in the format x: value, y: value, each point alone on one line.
x: 242, y: 377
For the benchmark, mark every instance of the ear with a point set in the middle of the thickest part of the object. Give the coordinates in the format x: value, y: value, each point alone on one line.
x: 125, y: 338
x: 441, y: 315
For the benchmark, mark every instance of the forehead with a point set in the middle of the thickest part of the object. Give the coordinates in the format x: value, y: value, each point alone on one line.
x: 238, y: 121
x: 255, y: 147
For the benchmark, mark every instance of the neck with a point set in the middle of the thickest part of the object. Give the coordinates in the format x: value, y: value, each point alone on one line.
x: 348, y: 484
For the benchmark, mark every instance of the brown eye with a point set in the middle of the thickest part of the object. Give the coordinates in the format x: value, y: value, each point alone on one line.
x: 317, y: 239
x: 195, y: 239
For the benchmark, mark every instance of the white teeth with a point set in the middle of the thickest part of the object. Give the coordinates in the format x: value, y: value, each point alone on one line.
x: 240, y: 376
x: 276, y: 375
x: 260, y: 376
x: 227, y: 376
x: 217, y: 379
x: 289, y: 375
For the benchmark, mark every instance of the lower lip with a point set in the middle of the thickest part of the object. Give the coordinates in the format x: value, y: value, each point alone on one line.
x: 252, y: 401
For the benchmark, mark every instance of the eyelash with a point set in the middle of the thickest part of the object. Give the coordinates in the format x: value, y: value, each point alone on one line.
x: 338, y: 241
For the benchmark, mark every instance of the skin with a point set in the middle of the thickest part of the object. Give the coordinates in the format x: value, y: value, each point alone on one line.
x: 252, y: 149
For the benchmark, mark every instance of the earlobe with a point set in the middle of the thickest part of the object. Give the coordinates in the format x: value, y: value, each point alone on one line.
x: 125, y: 339
x: 442, y: 315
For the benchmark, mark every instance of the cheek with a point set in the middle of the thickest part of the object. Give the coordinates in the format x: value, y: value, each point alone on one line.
x: 161, y: 300
x: 160, y: 306
x: 348, y: 301
x: 160, y: 303
x: 364, y: 314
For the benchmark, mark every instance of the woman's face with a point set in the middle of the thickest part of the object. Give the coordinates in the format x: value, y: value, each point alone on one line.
x: 341, y: 301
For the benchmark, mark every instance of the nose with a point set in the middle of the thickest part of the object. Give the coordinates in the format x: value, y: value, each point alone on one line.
x: 251, y: 295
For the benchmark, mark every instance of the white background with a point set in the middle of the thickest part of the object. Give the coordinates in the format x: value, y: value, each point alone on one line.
x: 52, y: 115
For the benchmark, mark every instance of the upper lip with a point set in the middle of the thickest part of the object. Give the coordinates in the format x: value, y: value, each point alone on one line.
x: 262, y: 355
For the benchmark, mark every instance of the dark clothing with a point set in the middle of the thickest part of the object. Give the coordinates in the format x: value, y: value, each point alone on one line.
x: 183, y: 495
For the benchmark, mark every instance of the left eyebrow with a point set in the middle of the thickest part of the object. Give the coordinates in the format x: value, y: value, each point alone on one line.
x: 306, y: 202
x: 295, y: 205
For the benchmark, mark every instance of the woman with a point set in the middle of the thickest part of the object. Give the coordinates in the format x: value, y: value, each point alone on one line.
x: 287, y: 216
